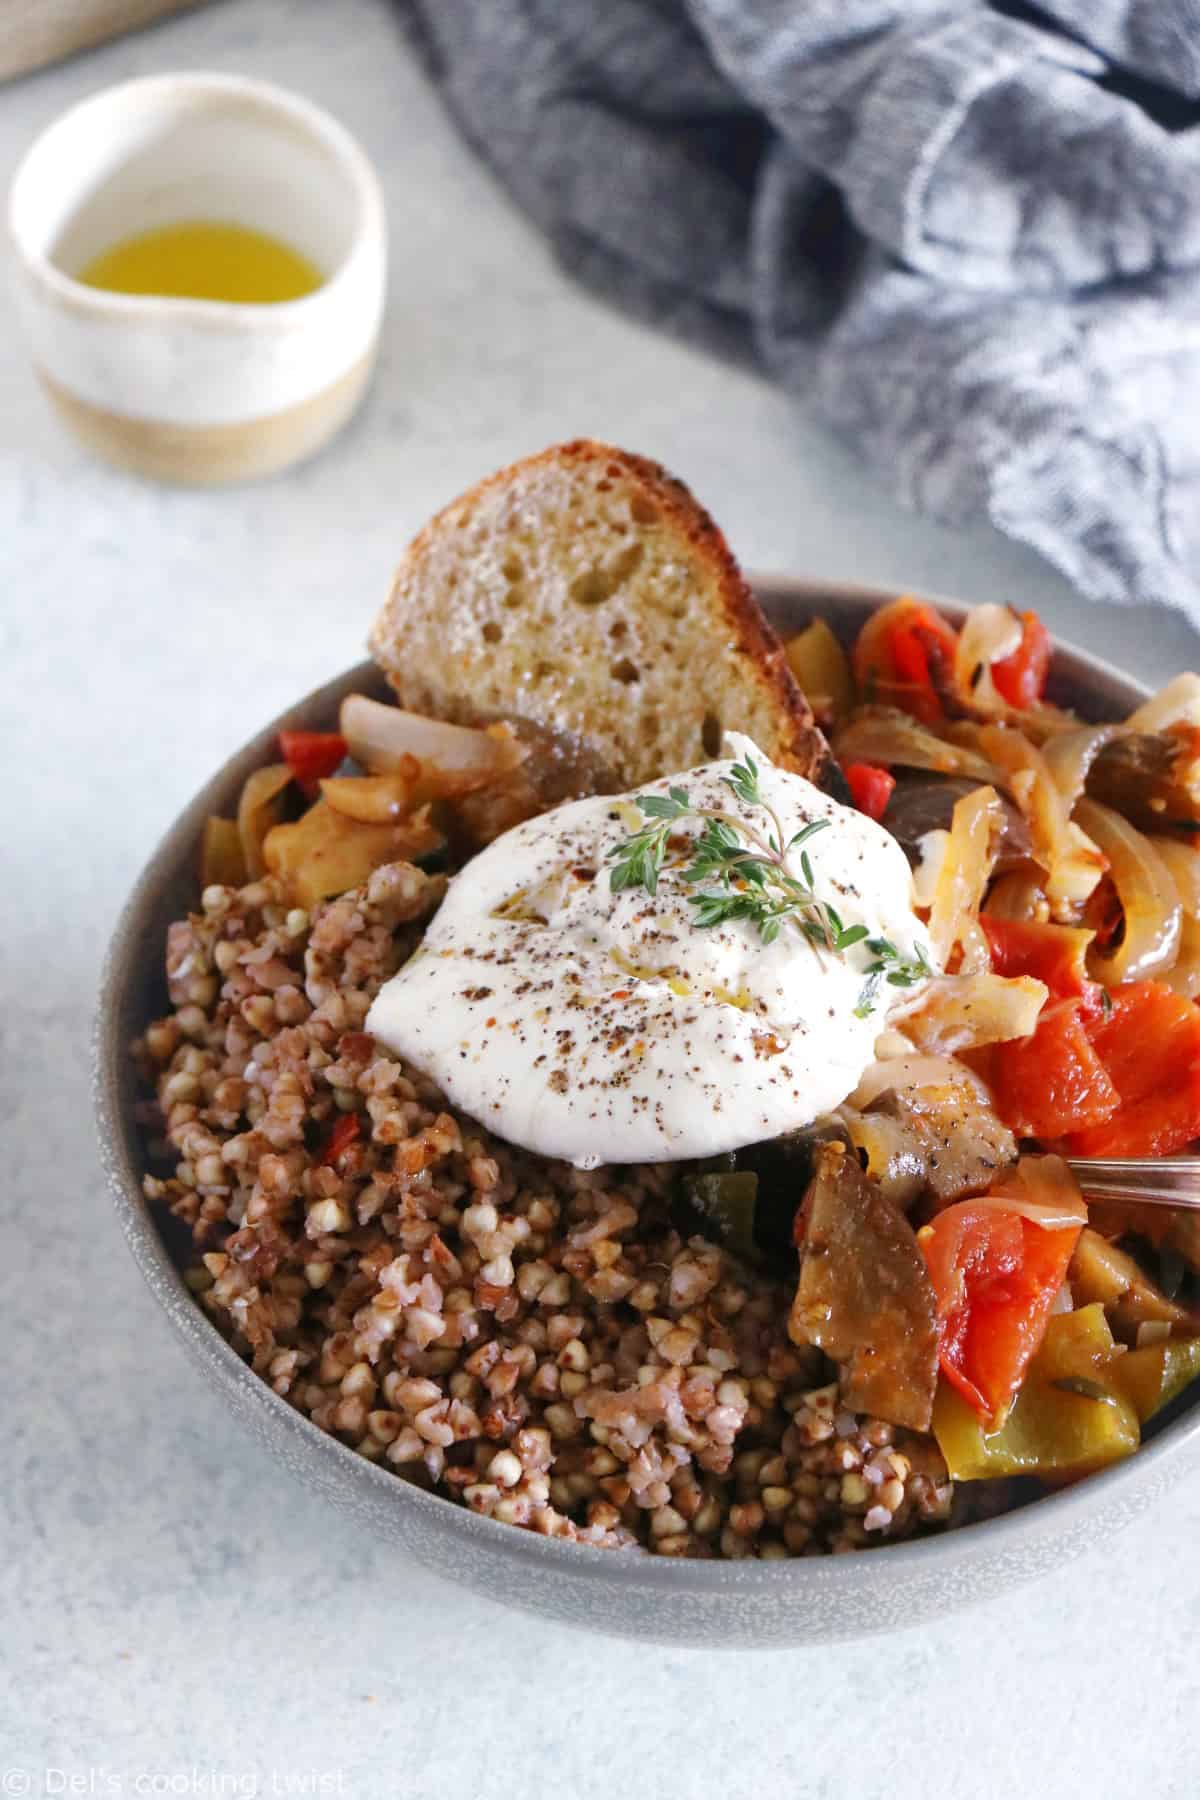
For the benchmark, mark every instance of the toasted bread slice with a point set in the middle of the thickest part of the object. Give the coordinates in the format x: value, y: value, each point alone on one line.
x: 586, y: 590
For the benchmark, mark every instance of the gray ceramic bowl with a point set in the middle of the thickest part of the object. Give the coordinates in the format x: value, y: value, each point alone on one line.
x: 721, y: 1604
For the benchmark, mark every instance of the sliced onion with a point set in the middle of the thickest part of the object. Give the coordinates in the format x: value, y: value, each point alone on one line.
x: 1148, y: 895
x: 1072, y: 863
x: 1184, y: 977
x: 222, y: 860
x: 881, y: 734
x: 989, y: 634
x: 1176, y: 704
x: 381, y: 737
x: 260, y: 809
x: 1053, y: 1218
x: 374, y: 799
x: 325, y: 853
x: 1042, y: 723
x: 967, y: 866
x: 932, y: 848
x: 1184, y: 863
x: 900, y: 1073
x: 1064, y: 1300
x: 1070, y: 755
x: 822, y: 668
x: 964, y: 1012
x: 1042, y: 1189
x: 1018, y: 895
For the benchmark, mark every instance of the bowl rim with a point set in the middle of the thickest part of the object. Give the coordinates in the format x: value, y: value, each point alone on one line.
x: 1051, y: 1515
x: 199, y: 85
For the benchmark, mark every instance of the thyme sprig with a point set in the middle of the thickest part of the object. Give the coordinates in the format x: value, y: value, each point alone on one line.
x: 743, y: 872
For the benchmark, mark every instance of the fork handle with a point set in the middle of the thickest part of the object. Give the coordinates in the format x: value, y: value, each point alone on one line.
x: 1150, y: 1180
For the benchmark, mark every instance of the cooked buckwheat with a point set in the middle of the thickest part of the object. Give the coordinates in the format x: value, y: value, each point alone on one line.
x: 538, y: 1343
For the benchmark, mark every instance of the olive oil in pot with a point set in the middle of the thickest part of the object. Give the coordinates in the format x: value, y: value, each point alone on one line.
x: 204, y: 260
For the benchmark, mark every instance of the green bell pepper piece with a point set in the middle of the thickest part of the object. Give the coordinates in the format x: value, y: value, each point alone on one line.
x: 1071, y: 1417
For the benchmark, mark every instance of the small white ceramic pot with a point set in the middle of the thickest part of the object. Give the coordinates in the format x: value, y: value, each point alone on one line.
x: 199, y: 390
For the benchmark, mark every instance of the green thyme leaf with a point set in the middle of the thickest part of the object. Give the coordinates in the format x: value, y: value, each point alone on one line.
x: 742, y: 873
x: 742, y: 780
x: 807, y: 831
x: 664, y: 806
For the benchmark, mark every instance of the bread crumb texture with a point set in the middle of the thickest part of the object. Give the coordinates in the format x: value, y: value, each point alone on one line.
x: 586, y: 589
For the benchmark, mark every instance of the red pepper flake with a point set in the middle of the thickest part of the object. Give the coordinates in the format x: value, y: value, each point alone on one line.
x: 341, y: 1137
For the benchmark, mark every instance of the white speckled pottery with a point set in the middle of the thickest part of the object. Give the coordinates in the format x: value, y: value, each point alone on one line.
x: 199, y: 390
x: 722, y: 1604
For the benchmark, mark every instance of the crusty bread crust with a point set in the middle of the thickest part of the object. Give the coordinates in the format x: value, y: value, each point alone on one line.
x: 755, y: 637
x: 446, y: 581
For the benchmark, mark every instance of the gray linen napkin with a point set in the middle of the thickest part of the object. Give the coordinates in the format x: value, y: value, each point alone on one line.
x: 968, y: 235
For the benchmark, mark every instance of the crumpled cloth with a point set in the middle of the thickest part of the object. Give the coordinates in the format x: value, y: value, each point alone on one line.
x: 967, y: 234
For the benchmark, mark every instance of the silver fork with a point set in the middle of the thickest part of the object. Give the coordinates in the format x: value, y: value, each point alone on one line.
x: 1156, y: 1180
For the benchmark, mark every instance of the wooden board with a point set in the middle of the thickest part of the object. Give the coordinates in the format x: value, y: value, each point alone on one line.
x: 36, y: 32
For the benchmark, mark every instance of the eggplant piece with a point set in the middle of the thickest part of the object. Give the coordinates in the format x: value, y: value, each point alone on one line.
x: 784, y: 1168
x: 1183, y: 1238
x: 832, y: 781
x: 921, y: 803
x: 1172, y: 1232
x: 951, y: 1151
x: 747, y: 1199
x: 1104, y: 1272
x: 725, y: 1202
x: 944, y: 1140
x: 946, y: 1148
x: 1153, y: 778
x: 864, y: 1294
x: 892, y: 1150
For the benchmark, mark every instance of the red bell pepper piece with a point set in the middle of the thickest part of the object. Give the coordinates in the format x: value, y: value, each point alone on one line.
x: 344, y: 1133
x: 312, y: 756
x: 1149, y: 1045
x: 1053, y: 1082
x: 922, y: 653
x: 995, y: 1274
x: 904, y: 657
x: 1051, y: 953
x: 870, y: 787
x: 1021, y: 678
x: 1103, y: 912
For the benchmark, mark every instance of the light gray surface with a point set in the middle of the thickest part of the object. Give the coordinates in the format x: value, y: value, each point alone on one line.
x: 173, y: 1608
